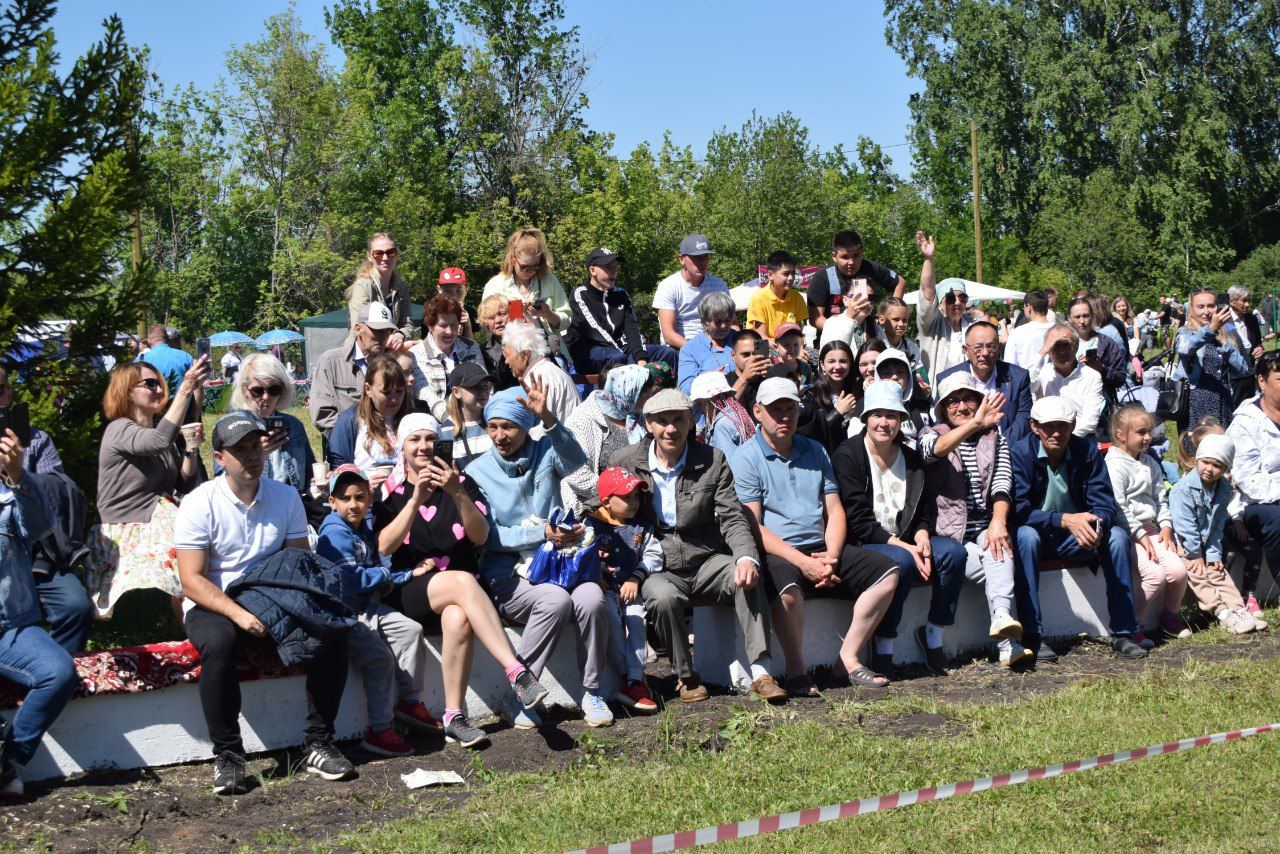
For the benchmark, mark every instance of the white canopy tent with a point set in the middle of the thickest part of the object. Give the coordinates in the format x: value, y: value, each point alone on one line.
x: 976, y: 290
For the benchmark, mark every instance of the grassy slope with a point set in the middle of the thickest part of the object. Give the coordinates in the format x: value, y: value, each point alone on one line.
x: 1218, y: 798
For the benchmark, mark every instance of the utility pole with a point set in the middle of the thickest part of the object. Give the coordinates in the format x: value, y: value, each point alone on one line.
x: 977, y: 205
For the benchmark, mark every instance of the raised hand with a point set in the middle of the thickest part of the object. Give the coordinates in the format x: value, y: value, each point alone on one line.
x: 535, y: 400
x: 926, y: 244
x: 991, y: 410
x: 195, y: 375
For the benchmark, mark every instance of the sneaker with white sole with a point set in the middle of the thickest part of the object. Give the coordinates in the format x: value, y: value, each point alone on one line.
x: 529, y: 691
x: 1236, y: 622
x: 1012, y: 652
x: 518, y: 716
x: 595, y: 710
x: 1259, y: 624
x: 228, y: 775
x: 1251, y: 605
x: 325, y: 760
x: 460, y: 731
x: 1004, y: 626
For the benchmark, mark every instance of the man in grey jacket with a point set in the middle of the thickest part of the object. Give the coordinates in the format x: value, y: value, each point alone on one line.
x: 708, y: 550
x: 339, y: 378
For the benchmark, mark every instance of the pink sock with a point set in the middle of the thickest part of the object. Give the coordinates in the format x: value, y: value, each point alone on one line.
x: 515, y: 670
x: 450, y: 714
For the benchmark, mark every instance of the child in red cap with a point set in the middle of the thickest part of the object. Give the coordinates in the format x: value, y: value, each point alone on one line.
x: 629, y: 553
x: 453, y: 284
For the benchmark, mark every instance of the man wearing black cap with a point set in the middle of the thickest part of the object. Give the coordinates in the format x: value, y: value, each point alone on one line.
x: 603, y: 328
x: 223, y: 528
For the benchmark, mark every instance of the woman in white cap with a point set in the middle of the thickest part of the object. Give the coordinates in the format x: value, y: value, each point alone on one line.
x: 972, y: 479
x: 604, y: 423
x: 882, y: 486
x: 726, y: 423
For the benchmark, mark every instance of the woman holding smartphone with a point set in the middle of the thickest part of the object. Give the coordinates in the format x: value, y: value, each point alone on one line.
x: 527, y: 278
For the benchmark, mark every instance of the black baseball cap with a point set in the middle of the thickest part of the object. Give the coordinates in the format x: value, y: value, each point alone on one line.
x: 601, y: 257
x: 468, y: 375
x: 233, y: 427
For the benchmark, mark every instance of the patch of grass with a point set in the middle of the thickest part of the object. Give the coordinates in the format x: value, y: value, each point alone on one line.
x: 1211, y: 798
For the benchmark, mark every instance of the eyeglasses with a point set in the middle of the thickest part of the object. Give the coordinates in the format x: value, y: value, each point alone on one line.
x: 983, y: 348
x: 957, y: 297
x: 379, y: 254
x: 151, y: 383
x: 260, y: 391
x: 535, y: 265
x: 963, y: 399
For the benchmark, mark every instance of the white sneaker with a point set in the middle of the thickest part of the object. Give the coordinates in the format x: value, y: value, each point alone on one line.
x: 1259, y: 625
x: 1236, y: 622
x: 1005, y: 626
x: 1011, y: 652
x: 595, y: 710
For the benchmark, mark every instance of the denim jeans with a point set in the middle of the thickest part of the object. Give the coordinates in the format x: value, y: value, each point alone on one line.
x: 947, y: 579
x: 1114, y: 560
x: 31, y: 658
x: 598, y: 357
x: 66, y: 607
x: 1263, y: 524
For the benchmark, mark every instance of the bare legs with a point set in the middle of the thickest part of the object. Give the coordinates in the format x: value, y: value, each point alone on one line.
x: 867, y: 612
x: 466, y: 615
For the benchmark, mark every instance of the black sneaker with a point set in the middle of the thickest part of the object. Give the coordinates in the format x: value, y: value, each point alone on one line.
x: 11, y: 785
x: 324, y: 760
x: 460, y: 731
x: 529, y: 691
x: 935, y: 660
x: 228, y: 775
x: 1126, y: 648
x: 1041, y: 650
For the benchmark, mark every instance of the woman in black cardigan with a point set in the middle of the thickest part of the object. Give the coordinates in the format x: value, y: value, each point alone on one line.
x: 890, y: 509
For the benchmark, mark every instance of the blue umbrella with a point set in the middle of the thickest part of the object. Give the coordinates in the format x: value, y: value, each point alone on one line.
x: 226, y: 339
x: 278, y: 336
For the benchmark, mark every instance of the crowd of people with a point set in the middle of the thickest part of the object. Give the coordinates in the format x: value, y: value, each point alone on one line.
x: 815, y: 448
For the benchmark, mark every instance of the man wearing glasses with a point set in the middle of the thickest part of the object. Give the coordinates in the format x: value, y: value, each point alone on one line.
x: 942, y: 327
x: 981, y: 344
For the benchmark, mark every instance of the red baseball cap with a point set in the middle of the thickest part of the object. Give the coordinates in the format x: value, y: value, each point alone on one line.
x: 450, y: 275
x: 786, y: 329
x: 616, y: 480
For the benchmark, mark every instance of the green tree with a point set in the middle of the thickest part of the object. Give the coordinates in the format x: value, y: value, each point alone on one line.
x: 72, y: 178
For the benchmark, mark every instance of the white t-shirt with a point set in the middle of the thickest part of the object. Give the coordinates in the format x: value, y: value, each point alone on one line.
x: 230, y: 361
x: 681, y: 297
x: 562, y: 394
x: 237, y: 535
x: 1024, y: 344
x: 370, y: 455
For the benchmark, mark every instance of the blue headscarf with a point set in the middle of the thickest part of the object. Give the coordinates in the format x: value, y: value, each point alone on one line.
x: 622, y: 388
x: 504, y: 405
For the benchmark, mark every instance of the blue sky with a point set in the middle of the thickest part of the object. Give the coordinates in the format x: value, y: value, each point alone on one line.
x: 688, y: 66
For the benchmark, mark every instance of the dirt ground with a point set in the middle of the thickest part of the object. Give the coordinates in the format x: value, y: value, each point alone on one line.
x: 174, y: 809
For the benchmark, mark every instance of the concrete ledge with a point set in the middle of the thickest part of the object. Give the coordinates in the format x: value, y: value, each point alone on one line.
x: 1072, y: 600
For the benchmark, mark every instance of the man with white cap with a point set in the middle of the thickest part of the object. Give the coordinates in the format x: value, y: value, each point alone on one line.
x: 942, y: 327
x: 1065, y: 507
x: 677, y: 296
x: 1062, y: 375
x: 709, y: 553
x: 981, y: 345
x: 339, y: 374
x: 787, y: 483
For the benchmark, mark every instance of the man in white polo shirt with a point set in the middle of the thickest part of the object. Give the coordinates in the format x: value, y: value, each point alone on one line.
x: 223, y: 528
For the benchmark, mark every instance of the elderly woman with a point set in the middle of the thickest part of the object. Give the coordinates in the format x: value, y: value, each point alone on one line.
x: 526, y: 277
x: 602, y: 424
x: 972, y: 477
x: 1206, y: 360
x: 263, y: 387
x: 882, y: 485
x: 377, y: 281
x: 436, y: 516
x: 520, y: 478
x: 439, y: 352
x: 146, y: 459
x: 365, y: 435
x: 526, y: 352
x: 712, y: 348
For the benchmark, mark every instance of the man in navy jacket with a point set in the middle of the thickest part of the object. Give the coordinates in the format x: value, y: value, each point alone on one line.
x: 1064, y: 506
x: 981, y: 343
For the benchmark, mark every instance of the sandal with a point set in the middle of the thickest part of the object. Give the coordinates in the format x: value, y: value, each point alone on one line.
x: 865, y: 677
x: 802, y: 687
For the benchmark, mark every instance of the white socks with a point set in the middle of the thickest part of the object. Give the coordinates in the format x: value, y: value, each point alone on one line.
x: 760, y: 668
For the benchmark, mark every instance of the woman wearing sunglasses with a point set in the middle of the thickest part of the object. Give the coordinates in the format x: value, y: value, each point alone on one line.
x: 527, y: 277
x: 377, y: 281
x: 147, y: 459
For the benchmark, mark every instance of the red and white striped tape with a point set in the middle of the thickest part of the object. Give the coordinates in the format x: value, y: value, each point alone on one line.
x: 818, y: 815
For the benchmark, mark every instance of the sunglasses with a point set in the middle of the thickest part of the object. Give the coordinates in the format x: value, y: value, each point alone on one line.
x: 955, y: 297
x: 379, y: 254
x: 532, y: 266
x: 151, y: 384
x: 259, y: 391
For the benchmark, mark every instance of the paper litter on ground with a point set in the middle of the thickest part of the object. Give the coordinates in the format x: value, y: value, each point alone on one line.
x: 420, y: 778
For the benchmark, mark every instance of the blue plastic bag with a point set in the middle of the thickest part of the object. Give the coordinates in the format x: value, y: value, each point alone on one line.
x: 569, y: 567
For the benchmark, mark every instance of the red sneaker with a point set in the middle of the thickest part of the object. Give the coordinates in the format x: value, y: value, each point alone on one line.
x: 386, y: 743
x: 637, y: 698
x: 417, y: 716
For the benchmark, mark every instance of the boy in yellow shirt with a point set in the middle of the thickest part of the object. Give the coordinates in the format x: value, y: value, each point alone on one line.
x: 777, y: 302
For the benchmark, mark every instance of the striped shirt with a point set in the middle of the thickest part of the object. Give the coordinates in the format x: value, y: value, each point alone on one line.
x: 977, y: 505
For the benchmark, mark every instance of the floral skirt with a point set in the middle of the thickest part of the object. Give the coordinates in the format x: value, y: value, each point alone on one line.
x: 126, y: 556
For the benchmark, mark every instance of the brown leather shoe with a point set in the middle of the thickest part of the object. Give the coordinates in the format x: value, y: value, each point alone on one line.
x: 766, y: 689
x: 692, y: 690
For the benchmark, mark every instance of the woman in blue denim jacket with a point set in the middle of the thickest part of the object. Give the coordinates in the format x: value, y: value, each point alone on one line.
x: 28, y: 656
x: 1205, y: 361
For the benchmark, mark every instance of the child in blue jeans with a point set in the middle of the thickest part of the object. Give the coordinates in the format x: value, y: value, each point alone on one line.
x: 629, y: 553
x: 385, y: 646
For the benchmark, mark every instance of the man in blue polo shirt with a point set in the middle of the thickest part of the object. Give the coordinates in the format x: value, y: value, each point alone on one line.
x: 788, y: 483
x: 171, y: 362
x: 1064, y: 506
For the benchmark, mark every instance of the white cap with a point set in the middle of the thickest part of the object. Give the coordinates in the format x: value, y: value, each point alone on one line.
x: 1217, y: 446
x: 1046, y: 410
x: 707, y: 385
x: 375, y: 315
x: 952, y: 285
x: 892, y: 355
x: 882, y: 395
x: 777, y: 388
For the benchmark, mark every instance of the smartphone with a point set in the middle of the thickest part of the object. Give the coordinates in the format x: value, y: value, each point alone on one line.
x: 18, y: 419
x: 1222, y: 300
x: 275, y: 423
x: 515, y: 309
x: 202, y: 347
x: 444, y: 451
x: 539, y: 304
x: 762, y: 348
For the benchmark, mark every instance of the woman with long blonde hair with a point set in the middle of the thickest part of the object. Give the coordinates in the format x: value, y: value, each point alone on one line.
x: 527, y: 277
x: 377, y: 281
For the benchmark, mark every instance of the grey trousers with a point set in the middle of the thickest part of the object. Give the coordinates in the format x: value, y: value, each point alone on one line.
x: 543, y: 610
x: 666, y: 595
x: 374, y: 661
x: 995, y: 576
